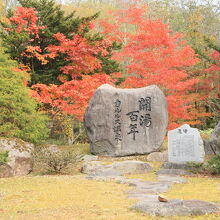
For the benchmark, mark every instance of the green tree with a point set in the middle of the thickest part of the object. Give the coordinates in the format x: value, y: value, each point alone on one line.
x: 18, y: 110
x: 54, y: 19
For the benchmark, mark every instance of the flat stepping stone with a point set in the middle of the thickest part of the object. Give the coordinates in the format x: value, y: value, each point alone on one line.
x: 106, y: 178
x: 116, y: 168
x: 180, y: 169
x: 150, y: 188
x: 172, y: 179
x: 177, y: 172
x: 182, y: 166
x: 176, y: 207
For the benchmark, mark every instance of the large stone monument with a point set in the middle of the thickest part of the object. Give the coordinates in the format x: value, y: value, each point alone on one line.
x: 185, y: 145
x: 123, y: 122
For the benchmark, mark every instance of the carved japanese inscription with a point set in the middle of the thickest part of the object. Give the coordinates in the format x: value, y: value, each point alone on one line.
x: 117, y: 120
x: 140, y: 117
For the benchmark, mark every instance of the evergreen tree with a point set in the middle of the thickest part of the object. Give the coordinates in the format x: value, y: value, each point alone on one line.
x: 50, y: 16
x: 18, y: 115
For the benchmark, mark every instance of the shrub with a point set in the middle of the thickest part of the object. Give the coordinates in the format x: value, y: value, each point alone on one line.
x: 55, y: 161
x: 206, y: 134
x: 3, y: 157
x: 214, y: 164
x: 18, y: 110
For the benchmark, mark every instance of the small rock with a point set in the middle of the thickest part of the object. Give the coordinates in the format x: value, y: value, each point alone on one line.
x: 158, y: 156
x: 162, y: 198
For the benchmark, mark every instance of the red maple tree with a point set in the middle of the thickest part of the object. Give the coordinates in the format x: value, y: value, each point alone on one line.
x: 72, y: 96
x: 152, y: 54
x: 77, y: 85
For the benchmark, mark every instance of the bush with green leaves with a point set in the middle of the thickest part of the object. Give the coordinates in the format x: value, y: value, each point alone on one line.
x: 3, y: 157
x: 55, y: 161
x: 19, y: 116
x: 214, y: 164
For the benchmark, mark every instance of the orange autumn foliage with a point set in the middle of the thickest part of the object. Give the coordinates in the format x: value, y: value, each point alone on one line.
x: 152, y: 54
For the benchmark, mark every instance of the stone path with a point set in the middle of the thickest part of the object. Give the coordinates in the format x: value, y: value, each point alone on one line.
x: 146, y: 192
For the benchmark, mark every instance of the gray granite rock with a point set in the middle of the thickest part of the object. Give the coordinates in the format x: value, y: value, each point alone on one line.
x: 105, y: 172
x: 171, y: 179
x: 89, y: 158
x: 175, y: 169
x: 132, y: 167
x: 174, y: 172
x: 19, y: 155
x: 116, y: 168
x: 176, y: 207
x: 212, y: 146
x: 91, y: 167
x: 122, y: 122
x: 158, y: 156
x: 150, y: 188
x: 117, y: 179
x: 183, y: 166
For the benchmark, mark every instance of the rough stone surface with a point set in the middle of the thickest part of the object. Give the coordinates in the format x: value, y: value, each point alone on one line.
x: 212, y: 146
x: 176, y: 207
x: 174, y: 172
x: 91, y: 167
x: 173, y: 179
x: 158, y: 156
x: 89, y: 158
x: 5, y: 171
x: 175, y: 169
x: 116, y: 168
x: 122, y: 122
x: 19, y: 155
x: 132, y: 167
x: 150, y: 187
x: 182, y: 166
x: 185, y: 145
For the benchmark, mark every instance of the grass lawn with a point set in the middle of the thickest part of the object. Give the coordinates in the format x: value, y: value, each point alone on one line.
x: 62, y: 197
x: 74, y: 197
